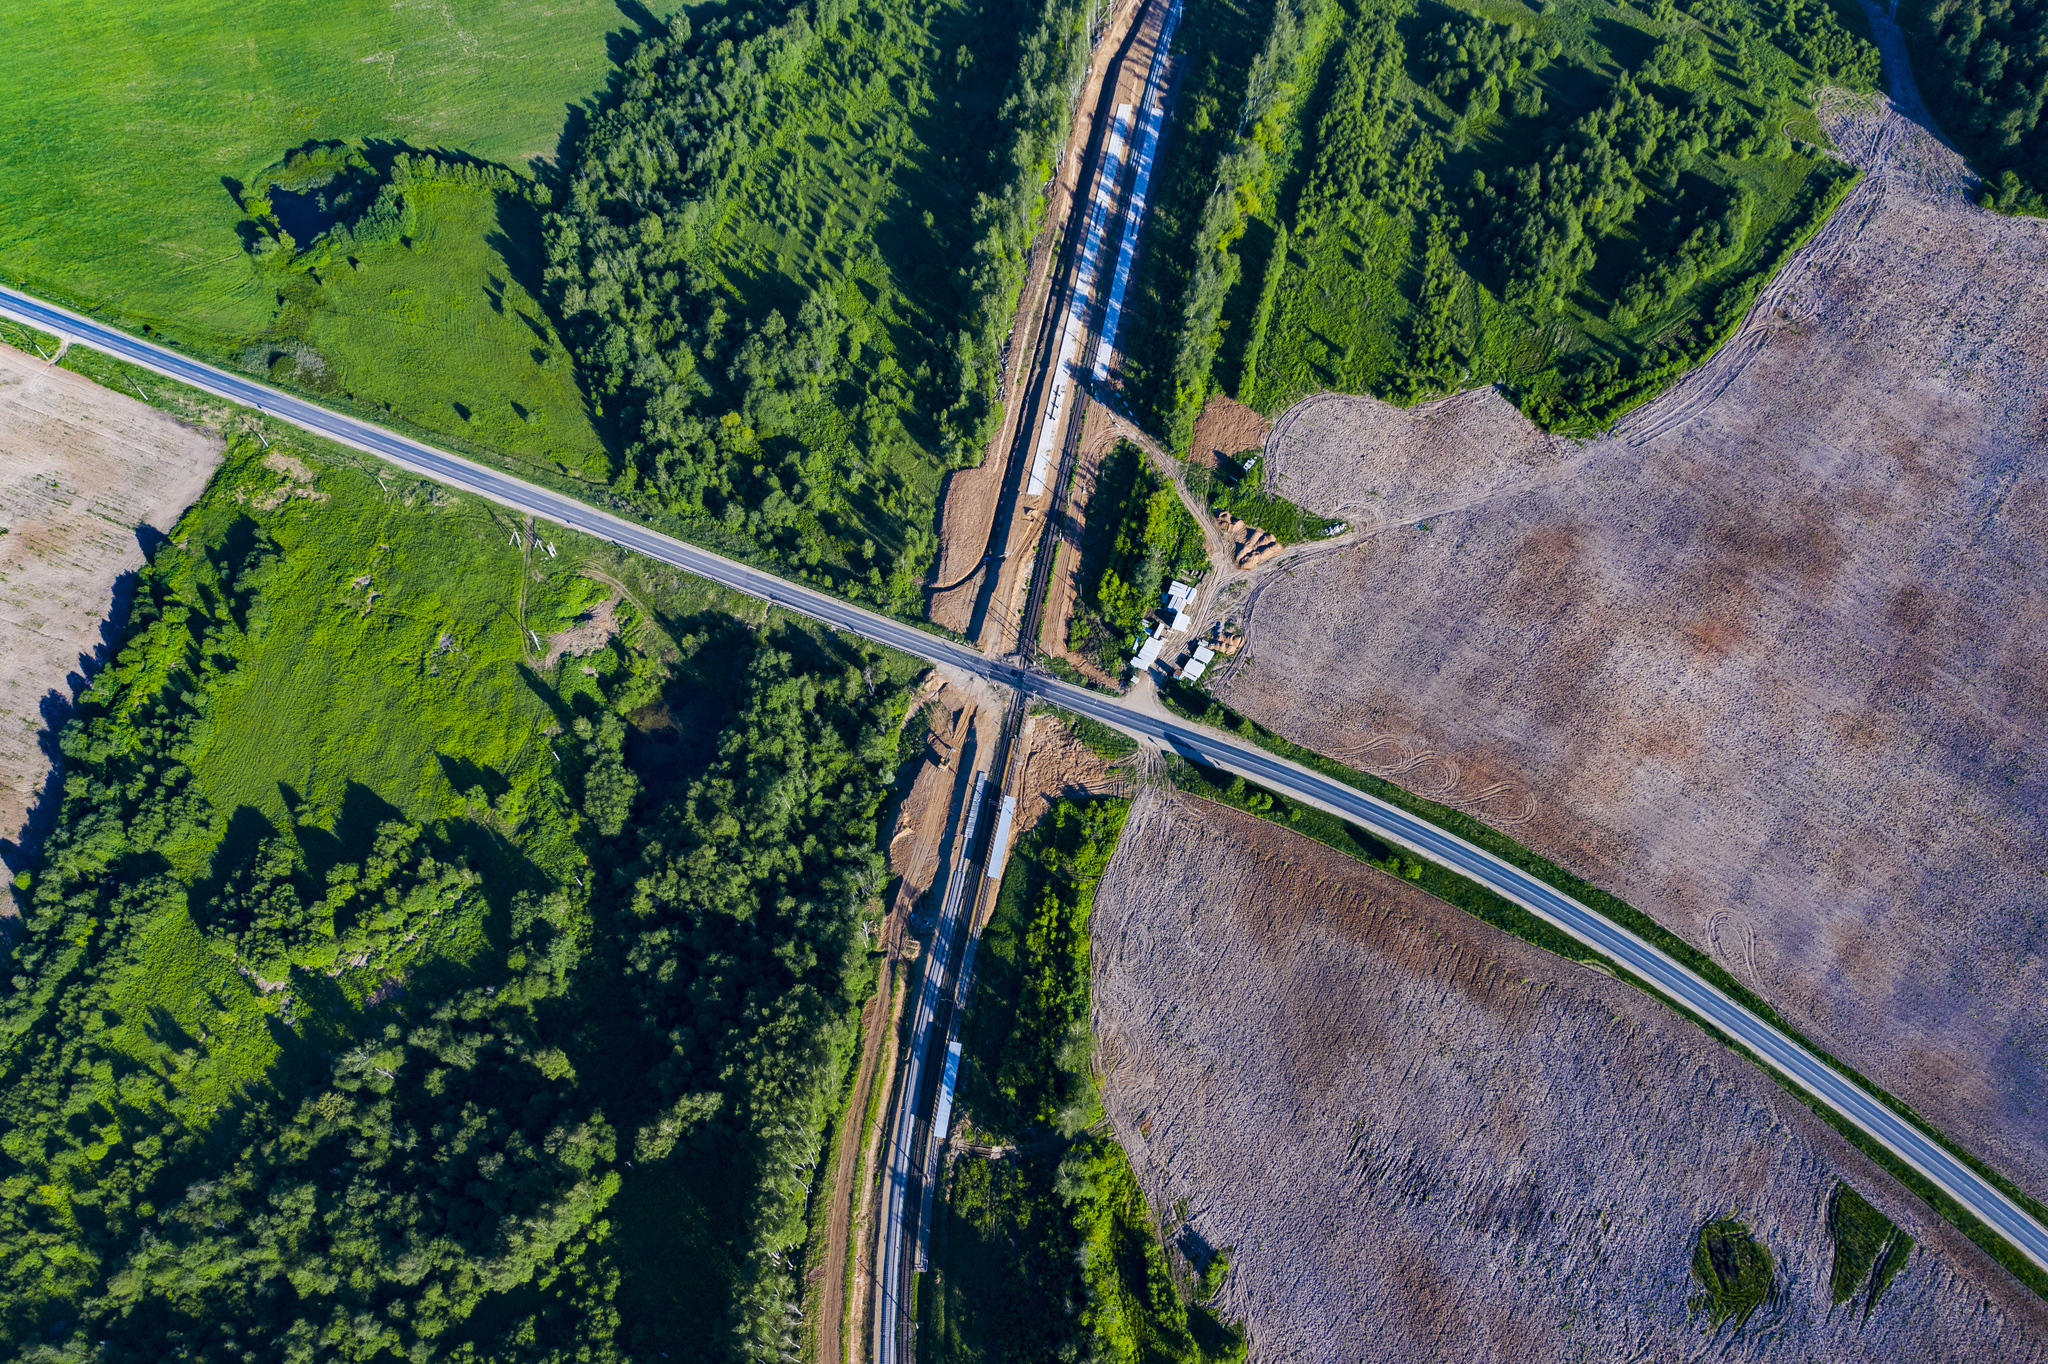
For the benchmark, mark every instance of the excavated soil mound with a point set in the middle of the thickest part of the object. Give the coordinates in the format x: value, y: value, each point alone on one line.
x: 83, y: 472
x: 1427, y: 1140
x: 1770, y: 662
x: 1226, y: 427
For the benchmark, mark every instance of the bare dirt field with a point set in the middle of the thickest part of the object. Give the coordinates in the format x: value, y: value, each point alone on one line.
x: 1099, y: 436
x: 1424, y: 1139
x: 85, y: 476
x: 1376, y: 465
x: 1057, y: 766
x: 1770, y: 661
x: 921, y: 820
x: 1226, y: 427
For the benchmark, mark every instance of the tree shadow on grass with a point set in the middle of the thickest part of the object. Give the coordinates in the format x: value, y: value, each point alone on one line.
x: 246, y: 829
x: 466, y: 776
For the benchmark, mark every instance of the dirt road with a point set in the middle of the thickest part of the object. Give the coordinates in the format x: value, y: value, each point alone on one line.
x: 917, y: 842
x: 975, y: 497
x: 991, y: 606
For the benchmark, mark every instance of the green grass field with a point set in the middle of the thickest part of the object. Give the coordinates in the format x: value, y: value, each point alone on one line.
x: 444, y: 333
x: 124, y: 120
x: 136, y: 131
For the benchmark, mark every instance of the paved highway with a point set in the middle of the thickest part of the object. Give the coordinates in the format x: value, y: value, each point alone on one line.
x: 1386, y: 821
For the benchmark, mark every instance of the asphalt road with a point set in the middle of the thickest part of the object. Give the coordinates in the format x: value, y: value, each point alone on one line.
x: 1388, y: 822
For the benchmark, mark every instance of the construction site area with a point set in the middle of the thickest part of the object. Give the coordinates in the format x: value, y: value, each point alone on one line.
x: 1022, y: 504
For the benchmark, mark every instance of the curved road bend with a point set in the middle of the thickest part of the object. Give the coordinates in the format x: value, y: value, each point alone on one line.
x: 1649, y: 963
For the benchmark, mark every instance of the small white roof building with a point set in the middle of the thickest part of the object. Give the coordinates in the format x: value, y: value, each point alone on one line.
x: 1195, y: 668
x: 1148, y: 652
x: 1182, y: 621
x: 1203, y: 654
x: 1179, y: 594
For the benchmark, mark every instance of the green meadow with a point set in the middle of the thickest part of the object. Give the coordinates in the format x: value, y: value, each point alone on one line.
x: 135, y: 132
x: 1576, y: 201
x: 124, y: 121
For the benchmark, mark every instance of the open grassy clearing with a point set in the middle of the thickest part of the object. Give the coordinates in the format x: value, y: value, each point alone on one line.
x: 440, y: 331
x: 147, y: 137
x: 1578, y: 202
x: 126, y: 120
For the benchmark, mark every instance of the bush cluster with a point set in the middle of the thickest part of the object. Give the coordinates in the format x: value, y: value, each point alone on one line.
x: 1985, y: 72
x: 699, y: 384
x: 464, y: 1065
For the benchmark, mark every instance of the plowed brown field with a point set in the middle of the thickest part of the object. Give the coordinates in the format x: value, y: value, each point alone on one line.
x: 1770, y: 661
x: 83, y: 471
x: 1427, y: 1140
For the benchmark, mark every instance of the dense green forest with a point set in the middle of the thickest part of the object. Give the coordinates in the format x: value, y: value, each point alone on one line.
x: 390, y: 989
x: 787, y: 258
x: 1139, y: 538
x: 1983, y: 70
x: 754, y: 287
x: 1410, y: 198
x: 1052, y: 1252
